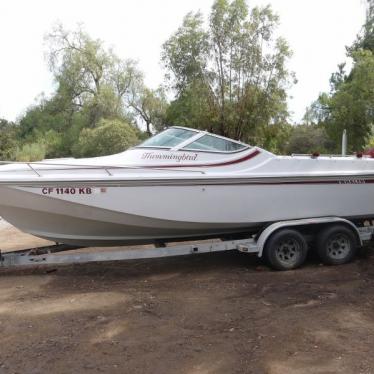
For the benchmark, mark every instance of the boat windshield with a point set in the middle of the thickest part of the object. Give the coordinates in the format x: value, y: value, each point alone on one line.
x: 214, y: 143
x: 169, y: 138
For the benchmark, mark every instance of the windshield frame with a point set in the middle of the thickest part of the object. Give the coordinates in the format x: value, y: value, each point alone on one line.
x: 168, y: 147
x: 199, y: 134
x: 204, y: 133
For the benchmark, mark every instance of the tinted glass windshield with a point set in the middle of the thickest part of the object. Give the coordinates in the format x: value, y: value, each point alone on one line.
x: 212, y: 143
x: 168, y: 138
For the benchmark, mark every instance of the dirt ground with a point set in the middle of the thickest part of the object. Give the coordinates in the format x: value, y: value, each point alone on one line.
x: 215, y: 313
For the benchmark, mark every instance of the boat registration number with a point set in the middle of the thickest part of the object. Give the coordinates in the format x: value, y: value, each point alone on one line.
x: 71, y: 190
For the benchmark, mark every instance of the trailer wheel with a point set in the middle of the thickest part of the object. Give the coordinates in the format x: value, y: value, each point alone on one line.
x: 336, y: 245
x: 286, y: 249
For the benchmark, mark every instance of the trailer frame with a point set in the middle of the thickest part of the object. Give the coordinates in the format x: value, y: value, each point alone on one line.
x: 53, y: 254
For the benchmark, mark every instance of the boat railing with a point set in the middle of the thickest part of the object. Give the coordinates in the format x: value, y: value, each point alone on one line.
x: 107, y: 168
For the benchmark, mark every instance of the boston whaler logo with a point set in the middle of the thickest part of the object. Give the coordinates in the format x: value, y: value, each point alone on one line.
x: 179, y: 157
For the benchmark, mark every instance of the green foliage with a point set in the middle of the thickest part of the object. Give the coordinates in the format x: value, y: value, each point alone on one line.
x: 110, y: 136
x: 193, y: 108
x: 185, y: 54
x: 91, y: 78
x: 42, y: 117
x: 31, y: 152
x: 93, y: 85
x: 230, y: 78
x: 350, y: 105
x: 8, y: 140
x: 151, y: 106
x: 370, y: 143
x: 365, y: 40
x: 275, y: 138
x: 308, y: 139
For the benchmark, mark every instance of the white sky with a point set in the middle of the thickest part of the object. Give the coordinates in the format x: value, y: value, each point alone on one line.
x: 317, y: 32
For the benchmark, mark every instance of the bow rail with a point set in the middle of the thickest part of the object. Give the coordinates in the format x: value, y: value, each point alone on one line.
x: 107, y: 168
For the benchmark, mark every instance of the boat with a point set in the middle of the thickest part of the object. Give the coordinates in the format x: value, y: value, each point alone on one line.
x: 180, y: 184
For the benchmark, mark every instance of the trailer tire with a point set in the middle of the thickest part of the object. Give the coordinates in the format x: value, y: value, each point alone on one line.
x: 336, y: 245
x: 286, y: 249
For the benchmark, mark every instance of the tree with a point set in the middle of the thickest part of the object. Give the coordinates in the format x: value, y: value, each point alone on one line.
x: 89, y: 77
x: 92, y: 85
x: 366, y: 39
x: 308, y: 139
x: 151, y: 106
x: 8, y: 140
x: 109, y: 137
x: 193, y: 108
x: 50, y: 123
x: 275, y: 138
x: 350, y: 104
x: 231, y: 78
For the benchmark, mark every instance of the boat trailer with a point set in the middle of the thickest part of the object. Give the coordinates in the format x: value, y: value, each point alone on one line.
x: 64, y: 254
x: 54, y: 254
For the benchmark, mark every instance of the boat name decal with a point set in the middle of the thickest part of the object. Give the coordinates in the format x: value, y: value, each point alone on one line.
x: 72, y: 190
x: 352, y: 181
x: 169, y: 156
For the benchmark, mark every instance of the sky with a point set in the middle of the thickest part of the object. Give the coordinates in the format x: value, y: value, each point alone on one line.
x: 317, y: 32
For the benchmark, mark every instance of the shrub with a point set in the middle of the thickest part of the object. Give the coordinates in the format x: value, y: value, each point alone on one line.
x: 111, y: 136
x: 31, y: 152
x: 309, y: 139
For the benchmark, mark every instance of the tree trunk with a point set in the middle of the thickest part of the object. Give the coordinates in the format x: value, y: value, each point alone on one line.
x: 148, y: 124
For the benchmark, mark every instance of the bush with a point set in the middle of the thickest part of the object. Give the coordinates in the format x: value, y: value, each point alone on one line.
x: 31, y: 152
x: 8, y: 140
x: 111, y: 136
x: 309, y: 139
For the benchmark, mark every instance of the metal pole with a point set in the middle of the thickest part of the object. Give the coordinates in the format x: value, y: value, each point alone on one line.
x: 344, y: 143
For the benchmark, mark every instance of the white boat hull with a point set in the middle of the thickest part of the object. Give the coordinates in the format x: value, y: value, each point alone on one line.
x: 143, y: 214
